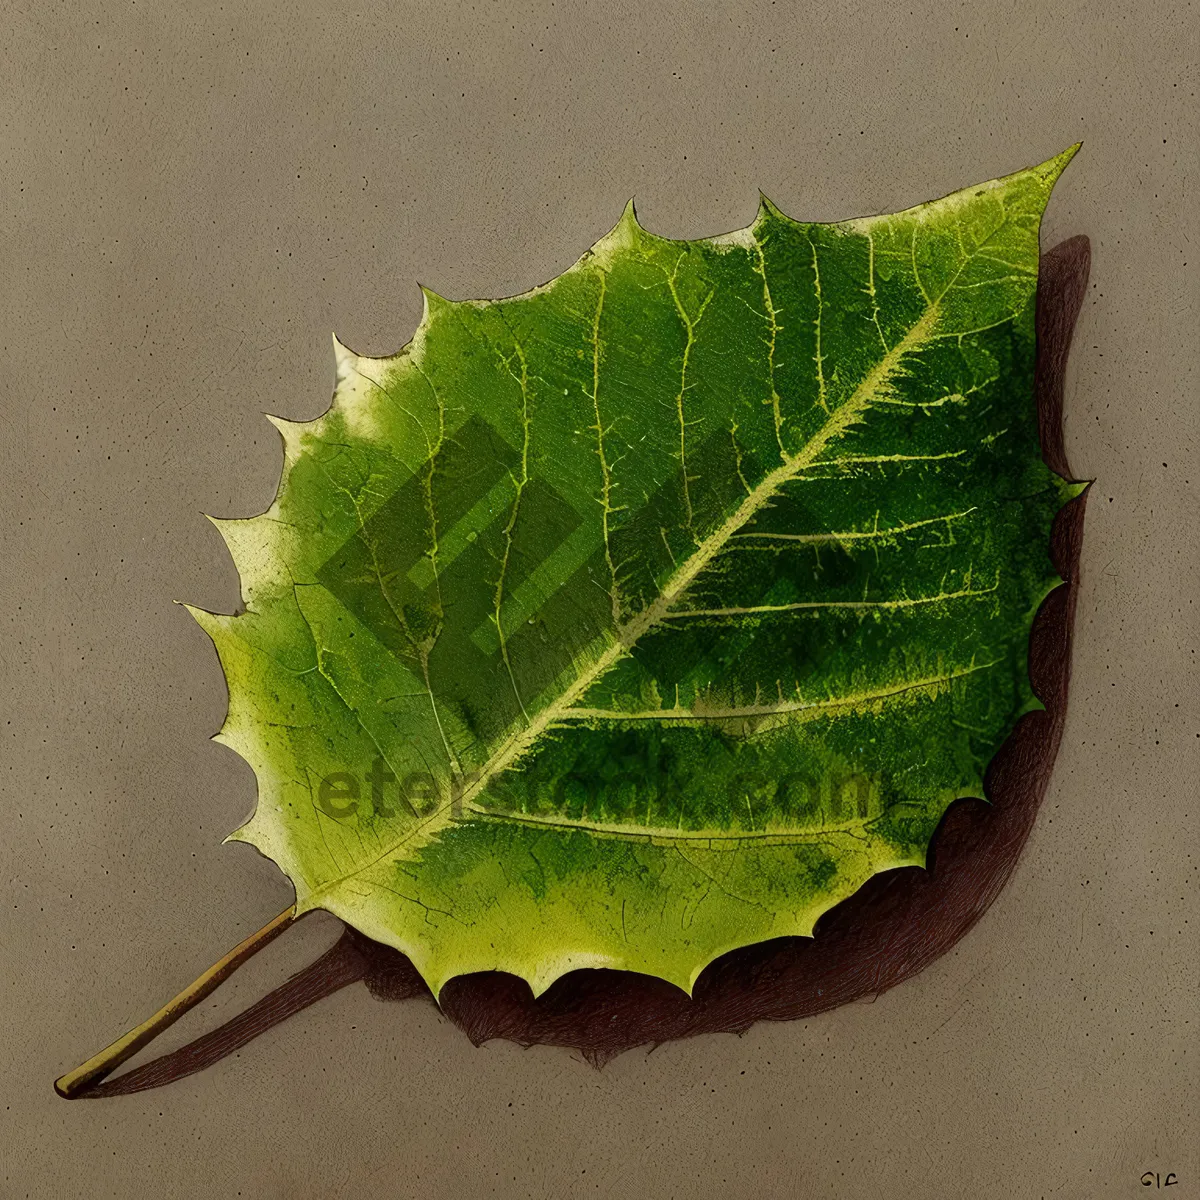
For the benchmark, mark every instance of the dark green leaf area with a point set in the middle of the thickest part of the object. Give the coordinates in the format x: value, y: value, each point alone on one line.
x: 852, y: 774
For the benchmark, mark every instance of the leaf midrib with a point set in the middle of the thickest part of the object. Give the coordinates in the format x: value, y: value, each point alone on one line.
x: 659, y: 610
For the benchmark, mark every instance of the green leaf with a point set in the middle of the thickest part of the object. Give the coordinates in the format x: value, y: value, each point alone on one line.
x: 651, y: 612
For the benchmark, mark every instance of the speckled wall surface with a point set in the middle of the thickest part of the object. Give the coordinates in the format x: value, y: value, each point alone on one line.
x: 194, y: 198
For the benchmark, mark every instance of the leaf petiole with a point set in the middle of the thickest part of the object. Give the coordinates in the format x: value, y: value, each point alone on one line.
x: 76, y: 1083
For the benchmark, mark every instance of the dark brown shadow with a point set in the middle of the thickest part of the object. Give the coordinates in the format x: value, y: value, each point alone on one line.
x: 893, y: 927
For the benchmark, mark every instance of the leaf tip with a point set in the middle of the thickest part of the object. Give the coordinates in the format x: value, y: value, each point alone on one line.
x: 1052, y: 168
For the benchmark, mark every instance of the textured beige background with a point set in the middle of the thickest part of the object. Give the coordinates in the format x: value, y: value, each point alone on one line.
x: 194, y: 196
